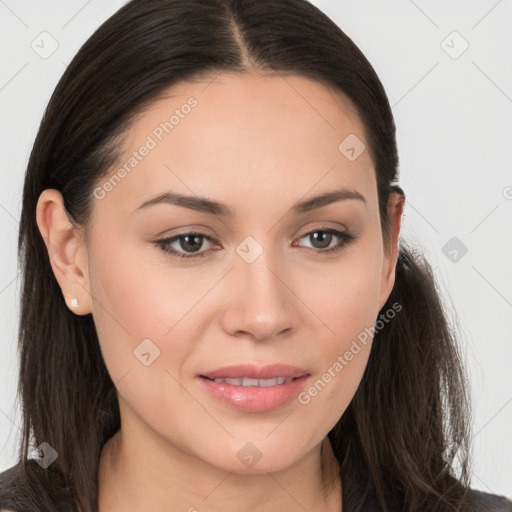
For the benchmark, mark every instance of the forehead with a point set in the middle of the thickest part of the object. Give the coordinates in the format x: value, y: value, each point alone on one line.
x: 242, y: 134
x: 259, y: 104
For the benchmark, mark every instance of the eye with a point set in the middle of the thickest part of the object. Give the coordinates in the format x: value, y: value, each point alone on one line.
x: 323, y: 238
x: 188, y: 244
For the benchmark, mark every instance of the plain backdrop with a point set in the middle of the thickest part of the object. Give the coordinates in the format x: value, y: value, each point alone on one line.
x: 446, y: 68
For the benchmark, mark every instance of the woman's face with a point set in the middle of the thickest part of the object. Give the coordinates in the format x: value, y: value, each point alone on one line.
x: 261, y: 288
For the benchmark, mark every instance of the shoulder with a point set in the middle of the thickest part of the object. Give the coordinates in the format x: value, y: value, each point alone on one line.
x: 483, y: 501
x: 33, y: 489
x: 12, y: 498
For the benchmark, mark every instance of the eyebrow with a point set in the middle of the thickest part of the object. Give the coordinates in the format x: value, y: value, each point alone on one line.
x: 204, y: 205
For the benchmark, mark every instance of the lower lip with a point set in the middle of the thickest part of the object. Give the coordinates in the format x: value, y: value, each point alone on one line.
x: 252, y: 398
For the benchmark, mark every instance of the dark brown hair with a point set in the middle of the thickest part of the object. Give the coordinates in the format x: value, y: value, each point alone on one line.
x: 412, y: 404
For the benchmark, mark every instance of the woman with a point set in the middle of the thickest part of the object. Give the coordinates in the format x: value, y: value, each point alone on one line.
x: 217, y: 313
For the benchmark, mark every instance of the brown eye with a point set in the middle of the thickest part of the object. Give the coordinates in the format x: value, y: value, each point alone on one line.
x: 322, y: 239
x: 188, y: 245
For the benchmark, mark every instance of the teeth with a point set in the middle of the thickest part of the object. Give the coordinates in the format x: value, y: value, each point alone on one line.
x: 246, y: 381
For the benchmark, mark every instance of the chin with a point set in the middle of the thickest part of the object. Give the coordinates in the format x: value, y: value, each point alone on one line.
x: 254, y: 457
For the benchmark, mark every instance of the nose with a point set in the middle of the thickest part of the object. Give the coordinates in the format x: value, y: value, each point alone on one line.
x: 261, y: 304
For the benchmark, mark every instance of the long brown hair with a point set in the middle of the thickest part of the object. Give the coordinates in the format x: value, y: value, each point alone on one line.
x: 411, y: 407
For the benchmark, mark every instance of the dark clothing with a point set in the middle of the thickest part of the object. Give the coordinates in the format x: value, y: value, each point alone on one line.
x: 358, y: 495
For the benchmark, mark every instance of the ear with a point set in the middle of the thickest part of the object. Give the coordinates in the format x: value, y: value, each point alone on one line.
x: 66, y: 250
x: 395, y: 210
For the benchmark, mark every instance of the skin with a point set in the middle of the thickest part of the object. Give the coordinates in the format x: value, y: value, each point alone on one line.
x: 258, y: 144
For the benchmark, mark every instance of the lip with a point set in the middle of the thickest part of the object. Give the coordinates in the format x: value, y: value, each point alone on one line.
x: 253, y: 398
x: 256, y: 372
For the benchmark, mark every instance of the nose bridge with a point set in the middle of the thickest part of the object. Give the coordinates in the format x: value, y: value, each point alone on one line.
x: 261, y: 302
x: 263, y: 286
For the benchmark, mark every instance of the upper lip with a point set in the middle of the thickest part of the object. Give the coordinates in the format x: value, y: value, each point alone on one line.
x: 256, y: 372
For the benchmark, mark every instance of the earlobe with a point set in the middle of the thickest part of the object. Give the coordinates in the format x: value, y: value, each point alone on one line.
x: 66, y: 251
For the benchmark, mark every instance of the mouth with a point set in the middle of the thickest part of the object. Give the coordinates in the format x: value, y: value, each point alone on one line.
x: 251, y: 382
x: 250, y: 373
x: 247, y: 394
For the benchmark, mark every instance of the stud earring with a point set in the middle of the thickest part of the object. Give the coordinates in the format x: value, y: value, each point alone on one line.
x: 74, y: 302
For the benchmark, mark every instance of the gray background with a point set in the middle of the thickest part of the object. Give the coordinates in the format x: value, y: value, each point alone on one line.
x: 453, y: 111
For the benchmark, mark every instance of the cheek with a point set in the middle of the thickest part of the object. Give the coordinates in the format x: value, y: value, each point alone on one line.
x: 136, y: 301
x: 347, y: 304
x: 344, y: 357
x: 126, y: 305
x: 345, y: 294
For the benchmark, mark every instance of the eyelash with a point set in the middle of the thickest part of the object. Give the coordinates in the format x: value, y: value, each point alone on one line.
x: 346, y: 239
